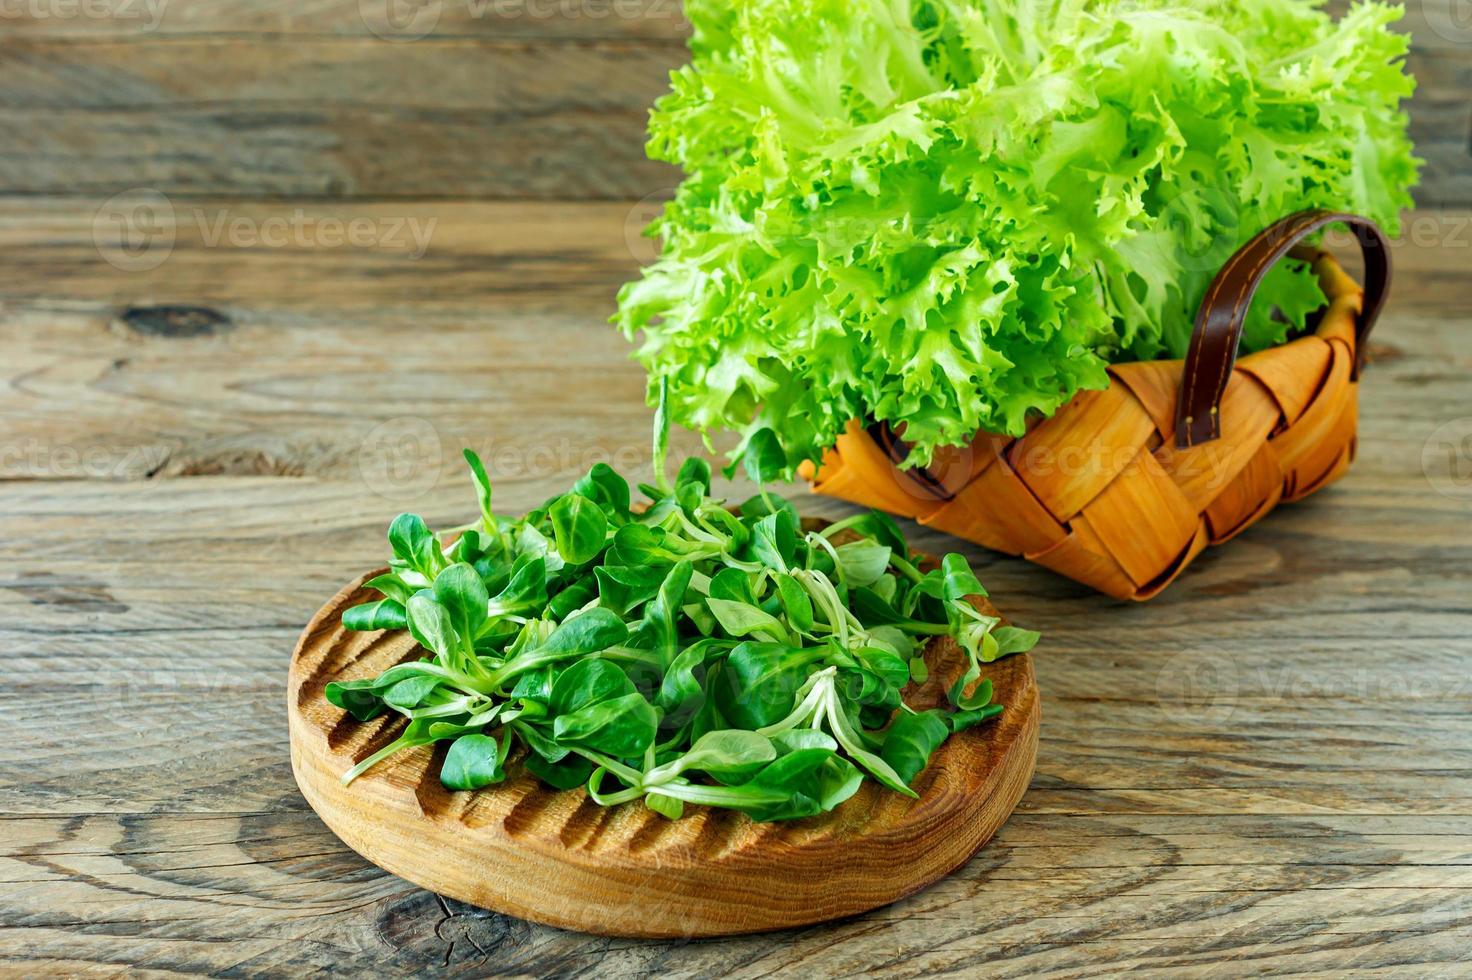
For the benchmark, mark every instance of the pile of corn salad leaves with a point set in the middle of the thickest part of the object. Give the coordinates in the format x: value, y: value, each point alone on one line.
x: 952, y: 214
x: 685, y: 653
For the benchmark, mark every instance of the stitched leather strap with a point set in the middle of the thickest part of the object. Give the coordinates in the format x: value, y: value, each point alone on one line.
x: 1218, y: 330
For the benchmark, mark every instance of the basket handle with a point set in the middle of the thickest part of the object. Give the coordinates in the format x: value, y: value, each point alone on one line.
x: 1218, y: 329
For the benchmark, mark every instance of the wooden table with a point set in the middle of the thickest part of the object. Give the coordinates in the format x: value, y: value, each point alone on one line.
x: 1267, y: 769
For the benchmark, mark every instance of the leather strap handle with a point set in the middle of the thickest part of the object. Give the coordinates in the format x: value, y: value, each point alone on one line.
x: 1218, y: 330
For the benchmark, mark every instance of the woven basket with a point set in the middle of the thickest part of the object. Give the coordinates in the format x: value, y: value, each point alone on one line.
x: 1123, y: 487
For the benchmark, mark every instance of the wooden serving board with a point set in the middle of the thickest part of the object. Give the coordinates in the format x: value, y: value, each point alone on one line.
x: 558, y: 858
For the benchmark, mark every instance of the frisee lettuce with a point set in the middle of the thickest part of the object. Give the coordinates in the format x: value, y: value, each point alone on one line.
x: 953, y: 214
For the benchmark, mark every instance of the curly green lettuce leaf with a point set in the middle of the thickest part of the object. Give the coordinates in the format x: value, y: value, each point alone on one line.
x: 953, y: 214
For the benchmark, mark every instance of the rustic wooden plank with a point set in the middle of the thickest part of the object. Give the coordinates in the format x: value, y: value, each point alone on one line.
x: 1441, y: 119
x: 518, y: 78
x: 335, y: 117
x: 312, y: 361
x: 365, y: 19
x: 307, y: 152
x: 260, y: 893
x: 419, y: 256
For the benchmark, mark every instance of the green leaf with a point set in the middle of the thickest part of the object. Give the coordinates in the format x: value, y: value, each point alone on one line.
x: 585, y: 633
x: 962, y: 720
x: 411, y: 691
x: 763, y: 458
x: 540, y: 743
x: 760, y: 680
x: 980, y: 696
x: 912, y: 739
x: 413, y: 543
x: 838, y: 779
x: 385, y: 614
x: 796, y: 604
x: 852, y: 739
x: 793, y: 770
x: 873, y: 610
x: 732, y: 585
x: 359, y: 698
x: 482, y: 490
x: 431, y: 625
x: 659, y: 629
x: 461, y: 592
x: 531, y: 542
x: 638, y: 544
x: 803, y: 738
x: 579, y: 528
x: 731, y: 755
x: 880, y: 526
x: 774, y: 540
x: 526, y: 588
x: 622, y: 727
x: 694, y: 471
x: 623, y: 588
x: 661, y: 433
x: 535, y: 684
x: 1011, y: 639
x: 958, y: 578
x: 739, y: 619
x: 863, y: 562
x: 391, y: 586
x: 763, y: 504
x: 665, y: 806
x: 681, y: 692
x: 571, y: 599
x: 568, y: 772
x: 887, y: 665
x: 606, y: 488
x: 587, y: 682
x: 895, y: 640
x: 473, y: 761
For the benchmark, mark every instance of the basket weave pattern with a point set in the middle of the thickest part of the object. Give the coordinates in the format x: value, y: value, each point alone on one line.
x: 1102, y: 493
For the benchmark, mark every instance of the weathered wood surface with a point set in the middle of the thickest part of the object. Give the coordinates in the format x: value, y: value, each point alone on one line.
x: 432, y: 98
x: 332, y: 117
x: 1268, y: 769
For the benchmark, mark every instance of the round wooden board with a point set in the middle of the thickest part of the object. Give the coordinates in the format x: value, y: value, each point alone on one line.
x: 558, y: 858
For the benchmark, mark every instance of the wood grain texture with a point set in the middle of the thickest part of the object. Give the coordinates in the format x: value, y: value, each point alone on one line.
x: 333, y: 117
x: 1268, y: 769
x: 541, y: 20
x: 557, y: 857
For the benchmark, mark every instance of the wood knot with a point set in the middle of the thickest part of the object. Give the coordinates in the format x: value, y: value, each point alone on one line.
x: 175, y: 321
